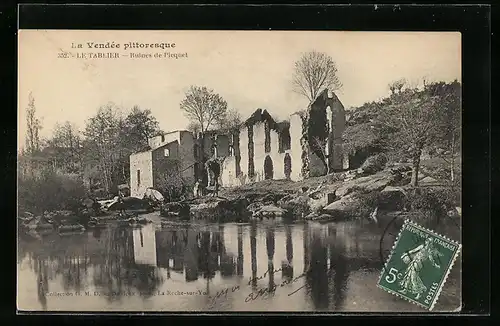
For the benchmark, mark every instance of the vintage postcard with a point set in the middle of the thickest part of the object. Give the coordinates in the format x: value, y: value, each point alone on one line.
x: 223, y: 171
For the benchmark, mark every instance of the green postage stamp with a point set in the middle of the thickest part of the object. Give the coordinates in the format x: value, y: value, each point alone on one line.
x: 419, y: 264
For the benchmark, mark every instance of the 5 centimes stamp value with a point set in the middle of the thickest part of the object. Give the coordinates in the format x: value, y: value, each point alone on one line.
x: 419, y: 264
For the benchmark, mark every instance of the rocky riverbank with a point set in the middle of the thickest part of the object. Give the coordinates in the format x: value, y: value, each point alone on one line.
x: 358, y: 193
x: 361, y: 193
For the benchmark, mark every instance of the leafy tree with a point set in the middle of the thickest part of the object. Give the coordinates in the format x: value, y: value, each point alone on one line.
x: 133, y: 135
x: 230, y: 121
x: 138, y: 127
x: 202, y: 106
x: 314, y: 72
x: 414, y: 120
x: 34, y: 126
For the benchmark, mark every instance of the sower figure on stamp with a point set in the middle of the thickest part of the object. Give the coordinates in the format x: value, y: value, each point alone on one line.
x: 415, y: 258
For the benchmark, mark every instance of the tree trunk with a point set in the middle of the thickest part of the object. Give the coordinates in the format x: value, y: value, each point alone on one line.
x: 416, y: 167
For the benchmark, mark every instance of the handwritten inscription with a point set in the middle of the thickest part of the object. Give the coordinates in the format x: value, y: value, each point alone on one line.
x: 223, y: 293
x: 261, y: 293
x: 257, y: 278
x: 265, y: 292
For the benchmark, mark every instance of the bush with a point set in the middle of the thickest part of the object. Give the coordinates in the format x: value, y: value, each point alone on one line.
x: 365, y: 203
x: 296, y: 207
x: 433, y: 201
x: 50, y: 192
x: 374, y: 163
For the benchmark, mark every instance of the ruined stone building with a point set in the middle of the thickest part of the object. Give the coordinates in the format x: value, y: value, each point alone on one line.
x: 169, y: 158
x: 308, y: 144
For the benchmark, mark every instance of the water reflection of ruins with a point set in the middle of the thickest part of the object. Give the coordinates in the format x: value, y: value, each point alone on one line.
x: 142, y: 260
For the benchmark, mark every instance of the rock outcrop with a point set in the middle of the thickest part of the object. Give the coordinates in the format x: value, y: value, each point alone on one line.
x: 342, y: 208
x: 221, y: 210
x: 269, y: 211
x: 370, y: 183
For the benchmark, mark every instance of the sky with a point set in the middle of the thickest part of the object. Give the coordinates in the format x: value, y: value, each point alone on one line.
x: 249, y: 69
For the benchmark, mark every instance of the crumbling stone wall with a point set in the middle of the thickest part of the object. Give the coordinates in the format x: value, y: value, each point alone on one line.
x: 311, y: 141
x: 296, y: 148
x: 277, y: 156
x: 322, y: 146
x: 236, y: 151
x: 304, y: 143
x: 338, y: 158
x: 251, y: 167
x: 243, y: 153
x: 267, y: 137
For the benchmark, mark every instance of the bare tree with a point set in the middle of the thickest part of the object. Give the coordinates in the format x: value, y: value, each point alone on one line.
x: 102, y: 132
x: 314, y: 72
x: 448, y: 141
x: 66, y: 142
x: 34, y: 126
x: 203, y: 106
x: 415, y: 120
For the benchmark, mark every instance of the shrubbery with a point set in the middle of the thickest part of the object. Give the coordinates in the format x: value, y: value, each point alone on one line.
x: 434, y: 202
x: 374, y: 163
x: 50, y: 192
x: 430, y: 202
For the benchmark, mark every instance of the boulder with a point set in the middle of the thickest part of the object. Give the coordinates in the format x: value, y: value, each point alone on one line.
x: 311, y: 216
x: 270, y: 211
x: 221, y: 210
x: 253, y: 207
x: 344, y: 207
x: 174, y: 209
x: 285, y: 199
x: 130, y: 203
x: 323, y: 218
x: 71, y: 228
x: 428, y: 181
x: 365, y: 184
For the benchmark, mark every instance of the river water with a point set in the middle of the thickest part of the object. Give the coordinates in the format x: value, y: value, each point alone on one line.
x: 211, y: 267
